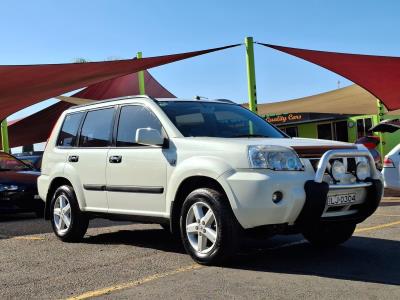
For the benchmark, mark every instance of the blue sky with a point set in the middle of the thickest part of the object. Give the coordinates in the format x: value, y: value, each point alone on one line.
x: 35, y: 32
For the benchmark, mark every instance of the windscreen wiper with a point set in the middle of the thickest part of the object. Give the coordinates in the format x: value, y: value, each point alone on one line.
x: 250, y: 135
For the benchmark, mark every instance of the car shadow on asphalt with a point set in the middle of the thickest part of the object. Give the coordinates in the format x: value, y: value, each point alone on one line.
x: 158, y: 239
x: 361, y: 259
x: 6, y: 217
x: 21, y: 224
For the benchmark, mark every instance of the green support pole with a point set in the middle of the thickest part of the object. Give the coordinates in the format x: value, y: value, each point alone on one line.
x: 4, y: 136
x: 142, y: 89
x: 251, y: 74
x: 381, y: 117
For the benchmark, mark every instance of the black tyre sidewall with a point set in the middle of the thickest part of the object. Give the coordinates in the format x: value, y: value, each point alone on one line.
x: 226, y: 238
x: 79, y: 222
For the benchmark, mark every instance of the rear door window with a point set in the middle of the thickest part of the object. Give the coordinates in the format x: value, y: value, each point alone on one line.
x: 69, y: 130
x: 97, y: 128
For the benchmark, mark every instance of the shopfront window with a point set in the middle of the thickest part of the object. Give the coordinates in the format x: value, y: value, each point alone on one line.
x: 363, y: 126
x: 341, y: 133
x: 325, y: 131
x: 333, y: 131
x: 291, y: 131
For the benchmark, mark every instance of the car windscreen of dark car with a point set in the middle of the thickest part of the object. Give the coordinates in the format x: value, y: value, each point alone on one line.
x: 212, y: 119
x: 33, y: 161
x: 10, y: 163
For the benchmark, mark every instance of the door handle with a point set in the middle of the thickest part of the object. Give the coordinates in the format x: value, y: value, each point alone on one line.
x: 73, y: 158
x: 115, y: 159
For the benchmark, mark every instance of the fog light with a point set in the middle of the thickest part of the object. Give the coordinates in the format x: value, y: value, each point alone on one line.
x: 363, y: 171
x: 338, y: 170
x: 277, y: 197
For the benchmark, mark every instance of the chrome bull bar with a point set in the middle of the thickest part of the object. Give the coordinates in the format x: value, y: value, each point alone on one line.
x: 342, y: 153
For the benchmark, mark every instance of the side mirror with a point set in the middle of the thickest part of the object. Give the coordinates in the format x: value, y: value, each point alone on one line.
x: 149, y: 136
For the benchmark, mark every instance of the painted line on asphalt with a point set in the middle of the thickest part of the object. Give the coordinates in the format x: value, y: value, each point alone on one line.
x: 377, y: 227
x: 22, y: 237
x: 130, y: 284
x: 386, y: 215
x: 28, y: 238
x: 390, y: 200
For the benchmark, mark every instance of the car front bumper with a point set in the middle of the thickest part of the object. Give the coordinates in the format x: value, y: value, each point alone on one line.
x: 304, y: 194
x: 19, y: 201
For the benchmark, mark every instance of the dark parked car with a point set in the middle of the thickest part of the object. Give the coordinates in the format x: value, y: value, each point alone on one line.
x: 18, y: 188
x: 33, y: 159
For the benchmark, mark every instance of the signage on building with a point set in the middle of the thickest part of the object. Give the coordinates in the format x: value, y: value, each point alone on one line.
x: 288, y: 118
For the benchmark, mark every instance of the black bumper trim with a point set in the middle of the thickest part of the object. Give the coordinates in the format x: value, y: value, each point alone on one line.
x: 316, y: 196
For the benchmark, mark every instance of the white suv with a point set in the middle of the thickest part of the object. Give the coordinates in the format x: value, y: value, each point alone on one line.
x: 208, y: 171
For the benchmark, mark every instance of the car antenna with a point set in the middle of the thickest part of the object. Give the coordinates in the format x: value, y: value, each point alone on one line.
x: 200, y: 98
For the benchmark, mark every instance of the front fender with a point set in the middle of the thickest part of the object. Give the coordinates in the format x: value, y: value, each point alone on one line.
x: 207, y: 166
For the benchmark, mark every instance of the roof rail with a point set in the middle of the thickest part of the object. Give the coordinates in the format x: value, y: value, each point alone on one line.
x: 225, y: 101
x: 114, y: 99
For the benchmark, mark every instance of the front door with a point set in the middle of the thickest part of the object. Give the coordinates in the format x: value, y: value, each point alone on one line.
x: 136, y: 174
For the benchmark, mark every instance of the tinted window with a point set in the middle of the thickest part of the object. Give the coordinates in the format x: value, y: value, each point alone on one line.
x: 97, y: 128
x: 213, y: 119
x: 292, y: 131
x: 69, y: 130
x: 341, y: 131
x: 368, y: 125
x: 363, y: 126
x: 325, y: 131
x: 131, y: 118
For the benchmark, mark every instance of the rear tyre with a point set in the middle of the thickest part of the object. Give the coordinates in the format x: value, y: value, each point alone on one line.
x: 208, y: 227
x: 68, y: 222
x: 329, y: 235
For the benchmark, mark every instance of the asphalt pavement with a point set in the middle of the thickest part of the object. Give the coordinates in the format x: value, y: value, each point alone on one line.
x: 131, y: 261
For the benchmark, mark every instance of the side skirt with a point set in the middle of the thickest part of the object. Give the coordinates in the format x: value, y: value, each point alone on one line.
x: 133, y: 218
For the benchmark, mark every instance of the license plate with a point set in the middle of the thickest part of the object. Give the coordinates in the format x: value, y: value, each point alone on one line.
x: 341, y: 199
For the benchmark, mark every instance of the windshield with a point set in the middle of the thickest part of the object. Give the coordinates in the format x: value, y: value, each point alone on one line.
x: 217, y: 120
x: 10, y: 163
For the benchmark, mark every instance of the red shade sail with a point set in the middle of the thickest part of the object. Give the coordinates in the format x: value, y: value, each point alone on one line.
x: 379, y: 75
x: 22, y: 86
x: 41, y: 123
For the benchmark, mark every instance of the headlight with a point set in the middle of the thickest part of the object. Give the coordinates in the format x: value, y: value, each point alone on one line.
x: 275, y: 158
x: 363, y: 171
x: 8, y: 187
x: 338, y: 170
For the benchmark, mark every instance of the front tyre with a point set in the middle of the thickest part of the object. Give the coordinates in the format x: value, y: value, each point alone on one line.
x: 208, y: 227
x: 329, y: 235
x: 68, y: 222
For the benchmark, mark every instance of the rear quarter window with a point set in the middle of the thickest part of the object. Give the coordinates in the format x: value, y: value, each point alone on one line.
x: 69, y: 130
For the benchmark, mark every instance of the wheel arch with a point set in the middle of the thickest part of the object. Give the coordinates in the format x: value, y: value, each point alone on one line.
x: 185, y: 187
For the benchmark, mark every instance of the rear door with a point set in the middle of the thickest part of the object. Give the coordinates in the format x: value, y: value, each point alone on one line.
x: 87, y: 162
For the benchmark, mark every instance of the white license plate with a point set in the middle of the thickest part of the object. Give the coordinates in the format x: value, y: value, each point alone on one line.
x: 341, y: 199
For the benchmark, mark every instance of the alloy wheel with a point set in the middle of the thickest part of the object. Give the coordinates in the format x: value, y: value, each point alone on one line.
x: 62, y: 214
x: 201, y: 228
